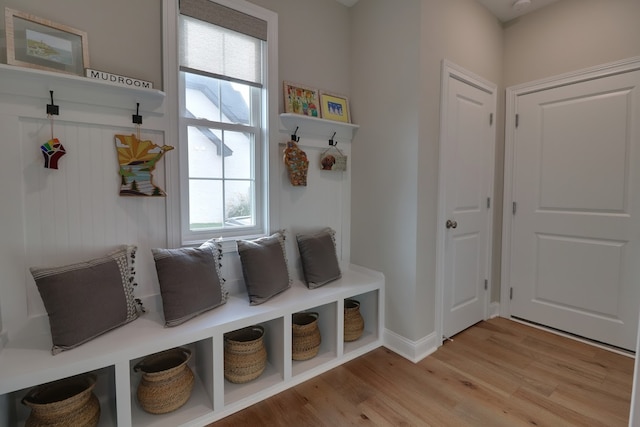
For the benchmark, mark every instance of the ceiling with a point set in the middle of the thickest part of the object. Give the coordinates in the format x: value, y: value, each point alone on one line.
x: 505, y: 10
x: 502, y: 9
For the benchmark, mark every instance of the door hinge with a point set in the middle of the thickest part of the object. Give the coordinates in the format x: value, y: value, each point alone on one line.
x: 488, y: 202
x: 491, y: 119
x: 486, y: 284
x: 514, y: 208
x: 517, y: 120
x: 510, y: 293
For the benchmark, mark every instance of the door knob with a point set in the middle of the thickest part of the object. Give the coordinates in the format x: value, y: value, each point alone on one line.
x: 451, y: 224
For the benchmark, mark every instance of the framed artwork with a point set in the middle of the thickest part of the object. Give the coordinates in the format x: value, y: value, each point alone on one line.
x: 335, y: 107
x: 38, y: 43
x: 300, y: 99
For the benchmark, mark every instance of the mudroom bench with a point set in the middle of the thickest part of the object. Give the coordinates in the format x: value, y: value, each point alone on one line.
x: 26, y: 360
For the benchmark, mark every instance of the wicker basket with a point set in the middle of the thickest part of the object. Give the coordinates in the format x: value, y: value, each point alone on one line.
x: 166, y: 381
x: 305, y: 340
x: 353, y: 321
x: 245, y: 356
x: 65, y: 403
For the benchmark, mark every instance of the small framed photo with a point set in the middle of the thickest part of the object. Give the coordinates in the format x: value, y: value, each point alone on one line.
x: 335, y: 107
x: 300, y: 99
x: 35, y: 42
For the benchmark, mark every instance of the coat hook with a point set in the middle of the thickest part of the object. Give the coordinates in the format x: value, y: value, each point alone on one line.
x: 331, y: 141
x: 52, y: 109
x: 294, y: 137
x: 137, y: 118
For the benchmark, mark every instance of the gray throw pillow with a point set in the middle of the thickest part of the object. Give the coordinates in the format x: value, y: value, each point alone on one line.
x: 87, y: 299
x: 190, y: 281
x: 264, y: 267
x: 319, y: 259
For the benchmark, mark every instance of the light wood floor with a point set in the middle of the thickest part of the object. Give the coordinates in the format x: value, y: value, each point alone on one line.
x: 497, y: 373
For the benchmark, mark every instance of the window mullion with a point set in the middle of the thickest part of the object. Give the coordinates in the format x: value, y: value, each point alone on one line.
x: 189, y: 121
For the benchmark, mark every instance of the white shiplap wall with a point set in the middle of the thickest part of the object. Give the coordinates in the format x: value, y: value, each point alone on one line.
x: 75, y: 212
x: 53, y: 217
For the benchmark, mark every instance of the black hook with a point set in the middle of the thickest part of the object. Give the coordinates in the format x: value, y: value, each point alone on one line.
x: 331, y: 141
x: 294, y: 137
x: 137, y: 118
x: 52, y: 109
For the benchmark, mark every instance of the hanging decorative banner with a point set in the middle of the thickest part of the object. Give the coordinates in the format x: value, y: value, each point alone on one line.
x: 297, y: 164
x: 52, y: 150
x: 137, y: 161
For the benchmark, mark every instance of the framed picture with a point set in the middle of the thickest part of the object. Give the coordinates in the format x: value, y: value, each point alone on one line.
x: 335, y: 107
x: 300, y: 99
x: 39, y: 43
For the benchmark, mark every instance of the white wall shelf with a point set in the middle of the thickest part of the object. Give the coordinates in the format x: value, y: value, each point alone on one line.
x: 315, y: 127
x: 21, y: 81
x: 27, y: 362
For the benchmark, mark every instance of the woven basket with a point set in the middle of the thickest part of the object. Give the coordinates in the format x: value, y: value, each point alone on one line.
x: 305, y: 340
x: 65, y: 403
x: 353, y: 321
x: 245, y: 356
x: 166, y: 381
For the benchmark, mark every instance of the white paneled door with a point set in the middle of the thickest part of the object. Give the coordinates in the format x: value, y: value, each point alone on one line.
x: 467, y: 146
x: 575, y: 233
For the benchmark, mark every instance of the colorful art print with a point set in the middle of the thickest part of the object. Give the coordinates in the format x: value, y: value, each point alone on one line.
x: 35, y: 42
x: 335, y: 107
x: 137, y: 160
x: 303, y: 100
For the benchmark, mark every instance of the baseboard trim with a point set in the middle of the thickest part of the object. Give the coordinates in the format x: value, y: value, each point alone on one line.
x: 494, y: 310
x: 414, y: 351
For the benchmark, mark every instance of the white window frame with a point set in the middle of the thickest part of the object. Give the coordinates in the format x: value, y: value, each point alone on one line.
x: 177, y: 176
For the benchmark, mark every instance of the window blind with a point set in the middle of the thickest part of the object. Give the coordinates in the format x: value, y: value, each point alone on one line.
x: 220, y: 53
x: 226, y: 17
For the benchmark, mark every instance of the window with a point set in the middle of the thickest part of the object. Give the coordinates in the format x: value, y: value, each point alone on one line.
x: 223, y: 125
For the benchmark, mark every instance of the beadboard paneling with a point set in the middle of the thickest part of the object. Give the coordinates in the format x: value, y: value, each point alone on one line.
x: 75, y: 213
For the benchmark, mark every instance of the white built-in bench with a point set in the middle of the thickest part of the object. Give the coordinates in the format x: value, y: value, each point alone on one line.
x: 26, y: 360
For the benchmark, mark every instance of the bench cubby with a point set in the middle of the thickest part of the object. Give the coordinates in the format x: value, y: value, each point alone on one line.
x: 26, y: 360
x: 328, y: 352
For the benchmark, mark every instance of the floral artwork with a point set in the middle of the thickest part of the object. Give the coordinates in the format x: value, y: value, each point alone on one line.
x: 137, y: 160
x: 52, y: 150
x: 301, y: 100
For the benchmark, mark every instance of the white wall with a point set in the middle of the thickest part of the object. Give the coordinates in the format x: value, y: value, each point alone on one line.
x: 385, y: 40
x: 386, y: 57
x: 397, y: 53
x: 82, y: 199
x: 570, y: 35
x: 54, y: 217
x: 313, y: 43
x: 124, y: 36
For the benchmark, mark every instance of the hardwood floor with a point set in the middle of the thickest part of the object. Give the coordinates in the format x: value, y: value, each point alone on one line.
x: 496, y: 373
